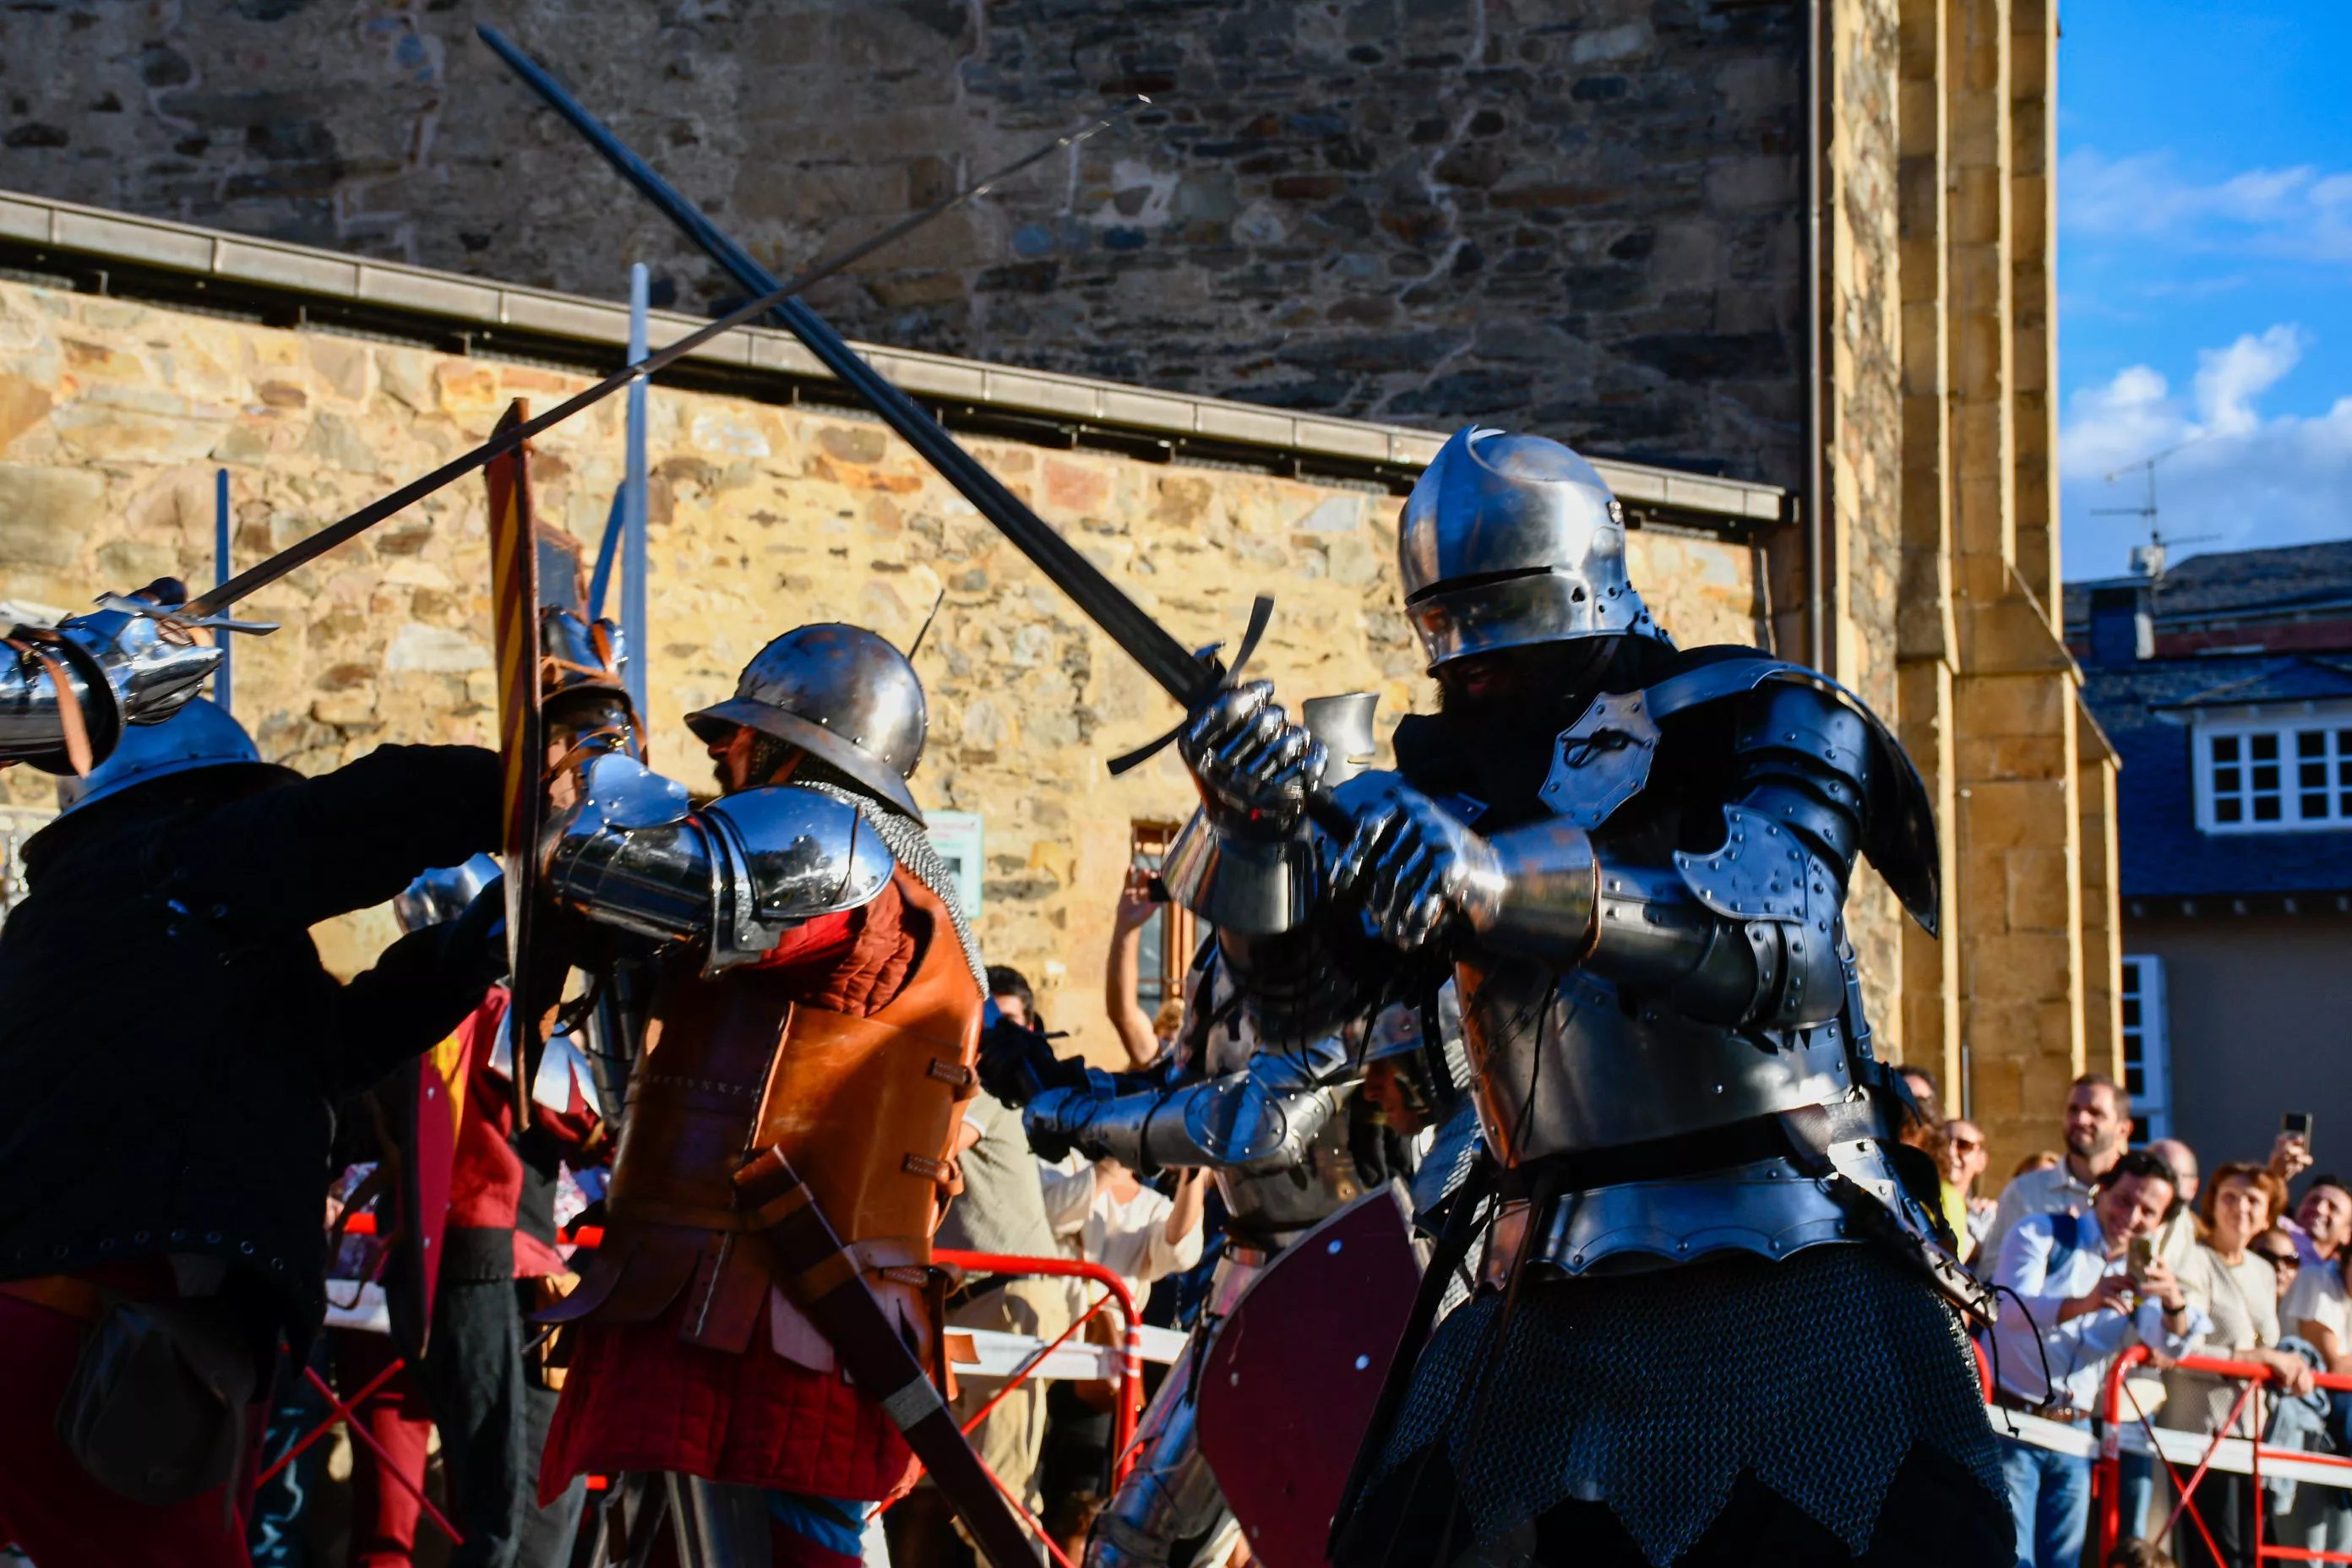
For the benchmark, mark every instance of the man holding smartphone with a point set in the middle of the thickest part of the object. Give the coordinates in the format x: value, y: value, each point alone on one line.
x: 2085, y: 1287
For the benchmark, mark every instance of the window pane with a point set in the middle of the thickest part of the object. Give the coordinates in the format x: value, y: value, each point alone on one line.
x: 2227, y: 811
x: 2131, y: 1011
x: 2134, y: 1080
x: 2228, y: 780
x: 2314, y: 808
x: 2266, y: 808
x: 2344, y: 742
x: 2311, y: 743
x: 2266, y: 777
x: 2311, y: 776
x: 2263, y: 748
x: 2225, y: 748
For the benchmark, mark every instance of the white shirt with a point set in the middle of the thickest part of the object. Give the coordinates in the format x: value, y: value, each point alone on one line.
x: 2050, y: 1190
x: 2242, y: 1302
x: 1129, y: 1238
x: 2046, y: 1271
x: 2318, y: 1295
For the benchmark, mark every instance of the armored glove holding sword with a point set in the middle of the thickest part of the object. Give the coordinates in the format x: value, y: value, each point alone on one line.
x: 68, y: 692
x: 1709, y: 1326
x: 1279, y: 1125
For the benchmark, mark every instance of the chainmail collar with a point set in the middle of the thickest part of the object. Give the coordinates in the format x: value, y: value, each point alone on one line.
x: 914, y: 851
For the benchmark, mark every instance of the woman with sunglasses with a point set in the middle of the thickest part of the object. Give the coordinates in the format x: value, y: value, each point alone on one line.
x: 2276, y: 1248
x: 2239, y: 1291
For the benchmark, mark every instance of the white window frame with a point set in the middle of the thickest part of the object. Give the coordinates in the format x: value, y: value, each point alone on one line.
x: 2226, y: 781
x: 2149, y: 1041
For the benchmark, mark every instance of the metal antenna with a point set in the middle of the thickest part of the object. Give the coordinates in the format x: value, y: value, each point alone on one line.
x: 916, y: 646
x: 2148, y: 560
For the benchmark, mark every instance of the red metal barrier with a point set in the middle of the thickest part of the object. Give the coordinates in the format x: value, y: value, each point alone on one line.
x: 2254, y: 1375
x: 1130, y: 1379
x: 1130, y: 1361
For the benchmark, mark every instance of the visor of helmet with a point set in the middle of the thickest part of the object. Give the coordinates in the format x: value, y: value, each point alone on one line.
x: 712, y: 724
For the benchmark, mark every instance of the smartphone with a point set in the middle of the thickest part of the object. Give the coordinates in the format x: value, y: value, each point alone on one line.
x: 2297, y: 1124
x: 2141, y: 1254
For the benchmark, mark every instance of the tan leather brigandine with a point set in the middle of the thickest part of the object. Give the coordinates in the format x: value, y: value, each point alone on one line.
x: 866, y: 1109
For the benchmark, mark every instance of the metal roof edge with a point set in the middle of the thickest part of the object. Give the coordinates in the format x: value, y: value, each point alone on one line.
x: 461, y: 301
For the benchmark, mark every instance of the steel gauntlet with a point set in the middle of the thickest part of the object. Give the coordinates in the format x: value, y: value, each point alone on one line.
x: 94, y: 675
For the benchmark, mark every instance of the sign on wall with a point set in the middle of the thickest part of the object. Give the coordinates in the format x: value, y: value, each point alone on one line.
x: 956, y: 835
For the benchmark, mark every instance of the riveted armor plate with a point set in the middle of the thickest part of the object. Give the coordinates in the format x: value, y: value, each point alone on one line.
x: 1761, y: 872
x: 1602, y: 760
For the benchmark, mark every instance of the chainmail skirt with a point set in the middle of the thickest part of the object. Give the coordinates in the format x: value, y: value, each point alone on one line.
x: 1655, y: 1393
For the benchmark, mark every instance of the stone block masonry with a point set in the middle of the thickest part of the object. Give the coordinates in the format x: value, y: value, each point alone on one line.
x: 1576, y: 218
x: 763, y: 517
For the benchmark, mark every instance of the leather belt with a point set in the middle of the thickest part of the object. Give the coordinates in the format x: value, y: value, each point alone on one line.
x: 2009, y: 1400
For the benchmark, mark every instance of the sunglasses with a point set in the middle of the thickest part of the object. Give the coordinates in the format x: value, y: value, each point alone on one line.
x: 2279, y: 1259
x: 1967, y: 1145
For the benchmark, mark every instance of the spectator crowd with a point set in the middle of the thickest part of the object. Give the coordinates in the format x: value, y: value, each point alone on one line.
x: 2102, y: 1247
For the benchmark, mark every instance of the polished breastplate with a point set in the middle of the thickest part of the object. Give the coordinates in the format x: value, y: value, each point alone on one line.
x: 1571, y: 1063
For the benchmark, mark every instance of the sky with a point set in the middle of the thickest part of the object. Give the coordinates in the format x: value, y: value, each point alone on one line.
x: 2204, y: 274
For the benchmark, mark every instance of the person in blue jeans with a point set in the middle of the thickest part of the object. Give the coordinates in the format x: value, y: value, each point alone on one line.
x: 2071, y: 1304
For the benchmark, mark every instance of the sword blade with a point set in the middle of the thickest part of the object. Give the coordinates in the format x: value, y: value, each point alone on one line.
x: 1125, y: 623
x: 303, y: 551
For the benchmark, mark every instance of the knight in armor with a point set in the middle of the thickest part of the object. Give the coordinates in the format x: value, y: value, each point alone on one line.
x: 173, y: 1047
x: 1279, y: 1125
x: 69, y: 692
x: 1714, y: 1325
x: 815, y: 988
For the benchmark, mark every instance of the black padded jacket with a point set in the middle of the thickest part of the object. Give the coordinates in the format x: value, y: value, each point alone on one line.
x: 171, y: 1046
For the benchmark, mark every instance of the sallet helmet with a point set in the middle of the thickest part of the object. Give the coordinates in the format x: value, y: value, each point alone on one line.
x: 1511, y: 539
x: 841, y: 693
x: 198, y: 736
x: 442, y: 894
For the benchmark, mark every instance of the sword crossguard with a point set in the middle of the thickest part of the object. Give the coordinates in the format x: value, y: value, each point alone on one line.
x: 1216, y: 676
x: 173, y: 626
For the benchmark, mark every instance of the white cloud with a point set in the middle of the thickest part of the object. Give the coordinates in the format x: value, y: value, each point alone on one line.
x: 2301, y: 214
x: 2244, y: 479
x: 2229, y: 379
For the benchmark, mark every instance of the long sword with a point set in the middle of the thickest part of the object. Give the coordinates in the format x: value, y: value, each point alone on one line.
x: 1189, y: 678
x: 771, y: 295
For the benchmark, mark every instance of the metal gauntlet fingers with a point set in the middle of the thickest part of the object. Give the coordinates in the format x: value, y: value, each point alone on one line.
x: 1253, y: 765
x: 1411, y: 865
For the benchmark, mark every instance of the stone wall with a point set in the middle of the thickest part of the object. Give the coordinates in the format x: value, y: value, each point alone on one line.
x: 114, y: 417
x: 1579, y: 219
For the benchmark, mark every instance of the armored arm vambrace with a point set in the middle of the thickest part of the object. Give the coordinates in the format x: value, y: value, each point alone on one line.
x: 1243, y: 1121
x: 1551, y: 898
x: 736, y: 875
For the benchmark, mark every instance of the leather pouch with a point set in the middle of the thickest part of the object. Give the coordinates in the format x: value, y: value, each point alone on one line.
x: 156, y: 1408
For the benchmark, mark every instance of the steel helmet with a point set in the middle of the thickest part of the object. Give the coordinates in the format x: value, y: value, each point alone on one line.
x: 1512, y: 539
x: 199, y: 735
x: 442, y: 894
x: 842, y: 694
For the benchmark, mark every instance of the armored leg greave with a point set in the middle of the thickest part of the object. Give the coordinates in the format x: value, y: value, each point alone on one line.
x: 1170, y: 1495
